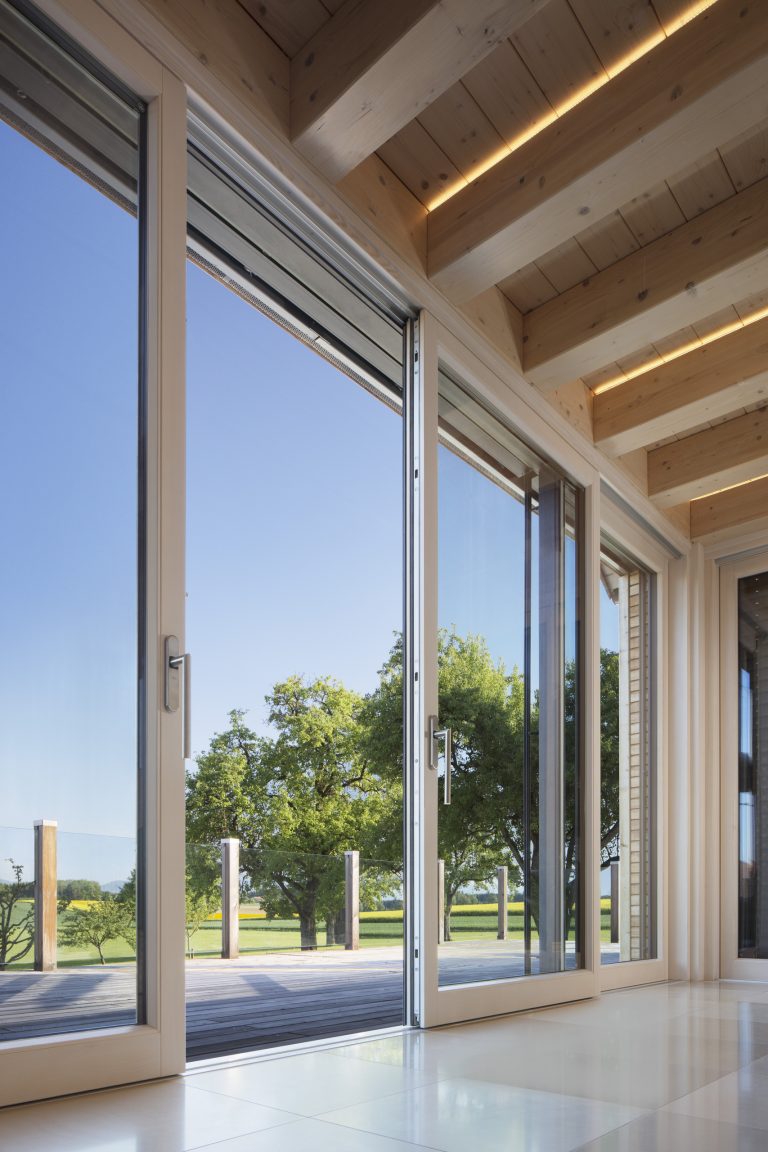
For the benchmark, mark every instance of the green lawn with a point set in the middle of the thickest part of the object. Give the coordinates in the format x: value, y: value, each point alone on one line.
x: 257, y: 935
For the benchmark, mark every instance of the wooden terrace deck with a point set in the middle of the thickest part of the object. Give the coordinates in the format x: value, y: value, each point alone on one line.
x: 258, y: 1001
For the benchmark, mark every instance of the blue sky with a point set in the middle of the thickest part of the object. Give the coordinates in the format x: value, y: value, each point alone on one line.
x: 294, y: 527
x: 294, y: 545
x: 68, y: 514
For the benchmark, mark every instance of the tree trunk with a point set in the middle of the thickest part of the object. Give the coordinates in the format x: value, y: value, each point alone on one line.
x: 447, y: 918
x: 308, y: 929
x: 341, y: 927
x: 330, y: 930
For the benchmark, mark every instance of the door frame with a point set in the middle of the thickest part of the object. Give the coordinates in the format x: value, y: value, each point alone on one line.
x: 732, y: 967
x: 650, y: 553
x: 78, y: 1061
x: 437, y: 1006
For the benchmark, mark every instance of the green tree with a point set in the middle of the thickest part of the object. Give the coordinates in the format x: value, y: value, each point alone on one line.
x: 17, y: 923
x: 127, y: 898
x: 69, y: 890
x: 202, y: 888
x: 609, y: 754
x: 482, y: 705
x: 104, y: 920
x: 297, y: 800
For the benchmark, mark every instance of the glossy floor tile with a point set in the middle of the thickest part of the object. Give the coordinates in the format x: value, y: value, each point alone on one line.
x: 666, y: 1068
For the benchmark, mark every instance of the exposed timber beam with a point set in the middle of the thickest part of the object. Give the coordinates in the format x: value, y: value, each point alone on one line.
x: 730, y: 509
x: 710, y: 382
x: 707, y: 461
x: 374, y: 66
x: 679, y: 279
x: 699, y: 88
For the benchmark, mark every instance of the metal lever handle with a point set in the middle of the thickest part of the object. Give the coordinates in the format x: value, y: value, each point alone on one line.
x: 174, y: 662
x: 436, y: 734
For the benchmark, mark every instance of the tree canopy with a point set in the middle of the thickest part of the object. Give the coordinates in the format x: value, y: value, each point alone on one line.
x: 297, y: 801
x: 329, y: 779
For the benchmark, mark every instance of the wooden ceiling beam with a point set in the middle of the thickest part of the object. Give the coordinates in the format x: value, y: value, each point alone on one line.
x: 679, y: 279
x: 706, y: 384
x: 705, y: 462
x: 688, y: 95
x: 373, y: 67
x: 730, y: 509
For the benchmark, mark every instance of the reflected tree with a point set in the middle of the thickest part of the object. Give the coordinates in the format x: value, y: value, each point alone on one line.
x: 17, y: 918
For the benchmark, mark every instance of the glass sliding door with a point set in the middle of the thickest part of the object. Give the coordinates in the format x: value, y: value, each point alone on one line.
x: 628, y: 796
x: 753, y: 767
x: 744, y: 768
x: 72, y: 649
x: 79, y: 953
x: 294, y: 610
x: 503, y: 758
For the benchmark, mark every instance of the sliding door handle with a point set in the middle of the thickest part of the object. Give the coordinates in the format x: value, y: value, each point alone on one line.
x: 175, y: 661
x: 436, y: 734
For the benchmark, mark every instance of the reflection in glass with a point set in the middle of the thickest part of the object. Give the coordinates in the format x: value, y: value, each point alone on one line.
x: 508, y: 659
x: 67, y: 934
x: 69, y: 519
x: 753, y: 766
x: 627, y: 759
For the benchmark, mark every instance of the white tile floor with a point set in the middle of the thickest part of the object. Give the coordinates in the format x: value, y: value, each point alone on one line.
x: 662, y: 1069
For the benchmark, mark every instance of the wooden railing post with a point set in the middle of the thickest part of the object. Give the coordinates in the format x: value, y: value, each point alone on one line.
x: 352, y: 901
x: 230, y: 899
x: 501, y: 885
x: 441, y: 901
x: 46, y: 895
x: 614, y: 902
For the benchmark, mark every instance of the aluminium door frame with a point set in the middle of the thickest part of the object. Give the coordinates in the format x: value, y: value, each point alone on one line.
x: 732, y: 967
x: 438, y: 1006
x: 56, y: 1065
x: 648, y: 552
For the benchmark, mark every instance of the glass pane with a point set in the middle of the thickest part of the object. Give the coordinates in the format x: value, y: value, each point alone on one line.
x: 294, y: 545
x: 508, y: 613
x: 627, y: 761
x: 69, y: 521
x: 753, y: 766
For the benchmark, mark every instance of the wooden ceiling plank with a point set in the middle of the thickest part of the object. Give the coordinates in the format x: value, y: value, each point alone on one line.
x: 652, y: 214
x: 557, y: 52
x: 373, y: 67
x: 608, y: 375
x: 756, y: 302
x: 717, y: 322
x: 709, y: 383
x: 685, y: 98
x: 528, y: 288
x: 617, y: 30
x: 684, y: 338
x: 461, y: 129
x: 701, y: 185
x: 234, y: 49
x: 419, y: 162
x: 711, y: 460
x: 290, y: 23
x: 507, y: 93
x: 682, y: 278
x: 730, y: 509
x: 671, y: 12
x: 636, y: 361
x: 608, y: 240
x: 746, y: 157
x: 566, y: 265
